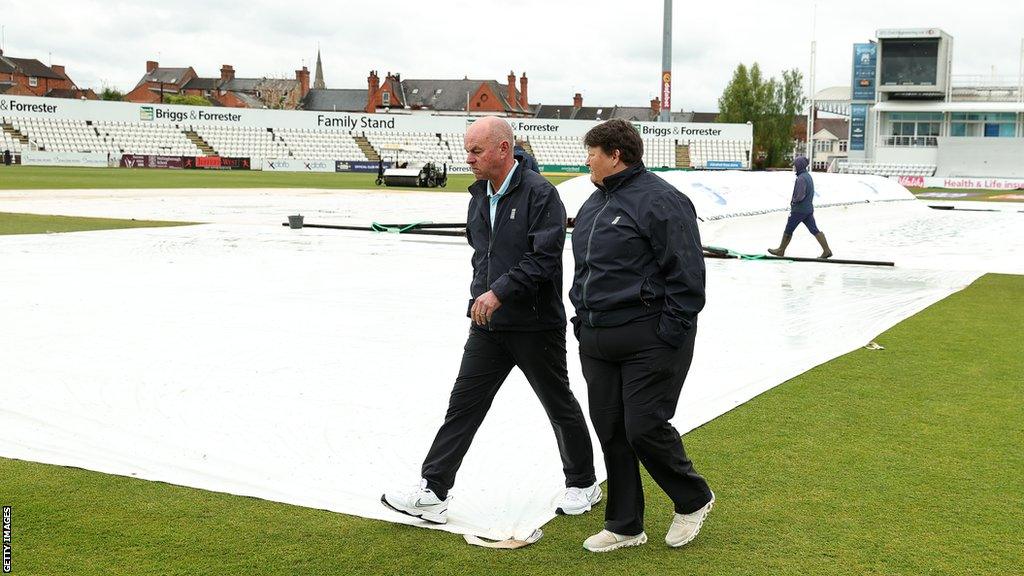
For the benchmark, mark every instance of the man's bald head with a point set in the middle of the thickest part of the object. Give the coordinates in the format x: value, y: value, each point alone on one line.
x: 489, y: 143
x: 492, y: 130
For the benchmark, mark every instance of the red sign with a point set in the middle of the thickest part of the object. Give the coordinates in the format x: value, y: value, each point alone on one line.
x: 666, y: 90
x: 221, y: 163
x: 911, y: 181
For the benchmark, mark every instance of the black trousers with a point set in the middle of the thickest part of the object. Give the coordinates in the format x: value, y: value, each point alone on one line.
x: 487, y: 360
x: 634, y: 380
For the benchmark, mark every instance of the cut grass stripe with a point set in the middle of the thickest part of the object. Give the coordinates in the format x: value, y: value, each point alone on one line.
x: 44, y: 224
x: 56, y: 178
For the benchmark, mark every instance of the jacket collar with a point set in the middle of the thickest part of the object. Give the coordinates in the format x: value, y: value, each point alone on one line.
x: 615, y: 181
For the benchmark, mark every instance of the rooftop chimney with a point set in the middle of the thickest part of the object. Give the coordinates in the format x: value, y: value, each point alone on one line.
x: 512, y: 100
x: 577, y: 101
x: 523, y: 100
x: 372, y: 86
x: 151, y: 65
x: 227, y: 73
x: 656, y: 105
x: 303, y: 77
x: 58, y: 69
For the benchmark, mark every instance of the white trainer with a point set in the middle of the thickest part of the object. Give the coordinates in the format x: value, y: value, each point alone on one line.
x: 605, y: 541
x: 576, y: 501
x: 685, y: 527
x: 420, y: 502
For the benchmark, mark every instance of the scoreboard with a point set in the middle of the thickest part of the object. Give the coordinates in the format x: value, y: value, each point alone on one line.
x: 914, y: 62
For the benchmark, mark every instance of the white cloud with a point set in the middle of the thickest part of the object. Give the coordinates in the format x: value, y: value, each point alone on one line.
x: 609, y: 51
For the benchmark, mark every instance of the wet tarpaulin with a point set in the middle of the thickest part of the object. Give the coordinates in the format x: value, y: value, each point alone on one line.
x: 313, y: 366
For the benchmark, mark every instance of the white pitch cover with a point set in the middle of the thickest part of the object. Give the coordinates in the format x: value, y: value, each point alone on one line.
x: 313, y: 366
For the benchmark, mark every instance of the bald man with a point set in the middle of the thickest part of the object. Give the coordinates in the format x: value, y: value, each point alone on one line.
x: 516, y: 226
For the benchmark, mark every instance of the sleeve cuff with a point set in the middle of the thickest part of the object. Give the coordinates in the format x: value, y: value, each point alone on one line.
x: 501, y: 288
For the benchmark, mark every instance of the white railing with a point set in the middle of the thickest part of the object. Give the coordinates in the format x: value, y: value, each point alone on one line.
x: 985, y: 80
x: 910, y: 141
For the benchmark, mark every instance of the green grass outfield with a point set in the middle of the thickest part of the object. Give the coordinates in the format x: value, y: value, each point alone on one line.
x: 46, y: 178
x: 42, y: 224
x: 972, y: 194
x: 901, y: 461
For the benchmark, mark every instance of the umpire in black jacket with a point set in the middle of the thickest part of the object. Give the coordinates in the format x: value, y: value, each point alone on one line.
x: 638, y: 287
x: 516, y: 226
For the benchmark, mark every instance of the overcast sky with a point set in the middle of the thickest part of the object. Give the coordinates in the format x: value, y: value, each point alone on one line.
x: 608, y: 51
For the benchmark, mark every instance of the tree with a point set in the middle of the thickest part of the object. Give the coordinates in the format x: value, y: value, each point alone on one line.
x: 111, y: 93
x: 770, y: 105
x: 186, y: 100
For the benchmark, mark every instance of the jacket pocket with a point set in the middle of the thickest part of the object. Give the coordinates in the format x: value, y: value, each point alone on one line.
x: 577, y: 325
x: 647, y: 294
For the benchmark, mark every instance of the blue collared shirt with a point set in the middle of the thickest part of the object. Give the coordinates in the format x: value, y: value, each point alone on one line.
x: 495, y: 196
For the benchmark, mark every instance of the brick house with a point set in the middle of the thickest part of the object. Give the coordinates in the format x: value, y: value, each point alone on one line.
x: 580, y: 112
x: 225, y: 90
x: 159, y: 82
x: 434, y: 96
x: 30, y: 77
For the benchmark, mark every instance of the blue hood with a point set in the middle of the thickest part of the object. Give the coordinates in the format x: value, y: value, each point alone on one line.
x: 800, y: 164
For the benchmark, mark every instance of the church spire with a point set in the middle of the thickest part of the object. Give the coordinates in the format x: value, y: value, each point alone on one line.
x: 318, y: 80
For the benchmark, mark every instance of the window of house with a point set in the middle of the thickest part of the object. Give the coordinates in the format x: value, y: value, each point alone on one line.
x: 843, y: 145
x: 385, y: 98
x: 33, y: 81
x: 415, y: 90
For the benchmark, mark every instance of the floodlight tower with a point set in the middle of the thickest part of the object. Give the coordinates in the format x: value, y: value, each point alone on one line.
x: 666, y: 66
x: 810, y: 89
x: 1020, y: 78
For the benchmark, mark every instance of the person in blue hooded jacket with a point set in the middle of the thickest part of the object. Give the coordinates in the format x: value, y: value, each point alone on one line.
x: 524, y: 157
x: 802, y: 210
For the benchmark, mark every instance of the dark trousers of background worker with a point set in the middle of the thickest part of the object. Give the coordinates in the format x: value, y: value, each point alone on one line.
x: 634, y: 380
x: 805, y: 218
x: 488, y: 358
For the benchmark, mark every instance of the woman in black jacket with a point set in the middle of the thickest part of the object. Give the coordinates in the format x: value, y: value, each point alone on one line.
x: 638, y: 287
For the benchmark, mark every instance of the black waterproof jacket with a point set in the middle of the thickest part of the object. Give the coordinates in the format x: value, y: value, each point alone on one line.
x: 521, y: 260
x: 638, y: 255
